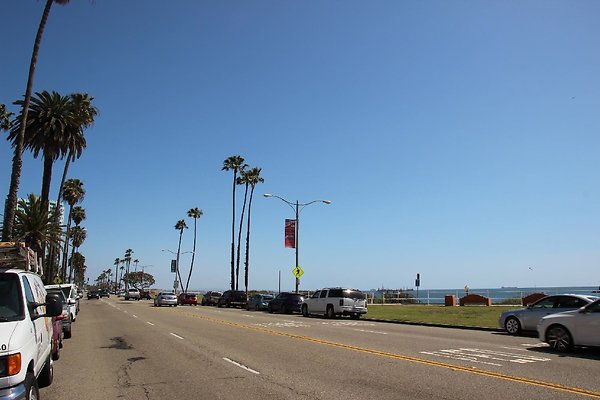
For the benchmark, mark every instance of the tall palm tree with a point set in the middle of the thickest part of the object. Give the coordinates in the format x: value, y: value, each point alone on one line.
x: 52, y: 126
x: 85, y: 114
x: 78, y: 236
x: 127, y: 260
x: 241, y: 180
x: 116, y: 264
x: 17, y: 164
x: 78, y: 215
x: 78, y: 262
x: 235, y: 164
x: 195, y: 213
x: 122, y: 269
x: 180, y: 226
x: 33, y: 225
x: 254, y: 178
x: 73, y: 194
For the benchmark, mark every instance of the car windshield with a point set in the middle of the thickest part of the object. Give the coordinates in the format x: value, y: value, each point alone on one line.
x: 11, y: 302
x: 354, y: 294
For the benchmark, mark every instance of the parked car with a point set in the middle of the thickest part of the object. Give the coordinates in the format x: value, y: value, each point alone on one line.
x: 564, y: 330
x: 211, y: 298
x: 526, y: 319
x: 330, y: 302
x: 93, y: 294
x: 26, y: 334
x: 71, y: 294
x: 57, y: 336
x: 259, y: 302
x: 165, y: 299
x: 104, y: 293
x: 132, y: 293
x: 187, y: 298
x: 233, y: 298
x: 286, y: 302
x: 66, y: 312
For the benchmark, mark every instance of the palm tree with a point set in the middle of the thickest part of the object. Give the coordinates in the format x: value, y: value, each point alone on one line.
x: 241, y: 180
x: 180, y: 226
x: 5, y: 117
x: 78, y: 215
x: 195, y: 213
x: 253, y: 179
x: 127, y: 260
x: 78, y: 263
x: 78, y: 236
x: 116, y: 264
x: 52, y: 126
x: 235, y: 164
x: 73, y: 194
x: 85, y: 114
x: 17, y: 164
x: 33, y: 225
x: 122, y: 269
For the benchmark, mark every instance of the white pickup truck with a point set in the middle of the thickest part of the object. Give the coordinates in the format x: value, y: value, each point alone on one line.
x: 25, y: 334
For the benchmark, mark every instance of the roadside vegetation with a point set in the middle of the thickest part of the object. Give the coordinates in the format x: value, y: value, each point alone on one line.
x: 476, y: 316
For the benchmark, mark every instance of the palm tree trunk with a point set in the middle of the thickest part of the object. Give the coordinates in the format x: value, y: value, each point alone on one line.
x: 187, y: 283
x: 45, y: 197
x: 233, y: 234
x: 66, y: 245
x: 177, y: 262
x: 247, y: 263
x: 11, y: 200
x: 55, y: 249
x: 239, y: 244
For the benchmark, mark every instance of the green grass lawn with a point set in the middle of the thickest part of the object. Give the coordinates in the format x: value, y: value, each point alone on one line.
x: 464, y: 316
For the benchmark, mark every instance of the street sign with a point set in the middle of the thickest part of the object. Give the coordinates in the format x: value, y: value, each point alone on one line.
x: 173, y: 265
x: 298, y: 272
x: 176, y: 284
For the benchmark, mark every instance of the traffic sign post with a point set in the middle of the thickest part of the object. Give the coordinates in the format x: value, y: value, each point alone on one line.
x: 298, y: 272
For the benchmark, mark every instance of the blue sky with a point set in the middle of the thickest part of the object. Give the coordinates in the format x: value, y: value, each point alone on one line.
x: 456, y: 139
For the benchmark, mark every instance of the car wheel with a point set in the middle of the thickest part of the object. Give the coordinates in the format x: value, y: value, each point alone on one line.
x: 67, y: 333
x: 257, y: 307
x: 47, y: 375
x: 559, y: 338
x: 270, y: 309
x: 305, y: 310
x: 512, y: 326
x: 330, y: 313
x: 31, y: 387
x: 286, y: 310
x: 355, y: 316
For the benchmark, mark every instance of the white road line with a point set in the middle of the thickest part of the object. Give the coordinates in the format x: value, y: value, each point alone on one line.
x: 149, y: 323
x: 368, y: 331
x: 241, y: 366
x: 177, y: 336
x: 134, y: 316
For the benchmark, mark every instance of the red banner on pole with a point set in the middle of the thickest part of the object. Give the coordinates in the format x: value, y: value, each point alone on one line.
x: 290, y: 233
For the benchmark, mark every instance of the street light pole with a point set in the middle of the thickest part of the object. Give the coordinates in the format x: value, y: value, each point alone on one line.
x: 176, y: 264
x: 297, y: 206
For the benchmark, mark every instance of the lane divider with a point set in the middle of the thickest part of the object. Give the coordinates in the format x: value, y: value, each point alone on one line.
x: 241, y: 366
x: 423, y: 361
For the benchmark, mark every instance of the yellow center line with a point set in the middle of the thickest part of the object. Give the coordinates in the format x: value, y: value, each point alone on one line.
x: 453, y: 367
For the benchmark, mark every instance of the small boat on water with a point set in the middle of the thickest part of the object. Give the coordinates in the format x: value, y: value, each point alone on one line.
x: 596, y: 291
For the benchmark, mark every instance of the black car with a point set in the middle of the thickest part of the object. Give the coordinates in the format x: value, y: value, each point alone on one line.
x: 286, y: 302
x: 93, y: 294
x: 104, y: 293
x: 233, y: 298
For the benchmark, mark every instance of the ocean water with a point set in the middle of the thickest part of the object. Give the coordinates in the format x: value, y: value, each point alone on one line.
x: 504, y: 295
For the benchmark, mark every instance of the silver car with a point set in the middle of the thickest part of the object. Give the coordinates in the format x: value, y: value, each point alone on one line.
x: 165, y: 299
x: 572, y: 328
x: 526, y: 319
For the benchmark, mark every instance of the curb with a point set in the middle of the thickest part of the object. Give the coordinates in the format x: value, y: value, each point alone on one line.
x: 465, y: 327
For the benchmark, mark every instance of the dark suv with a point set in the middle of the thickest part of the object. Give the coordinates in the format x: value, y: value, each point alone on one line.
x: 286, y: 302
x: 233, y: 298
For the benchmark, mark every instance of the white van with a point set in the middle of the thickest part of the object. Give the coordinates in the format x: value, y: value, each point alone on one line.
x: 25, y: 334
x: 70, y: 291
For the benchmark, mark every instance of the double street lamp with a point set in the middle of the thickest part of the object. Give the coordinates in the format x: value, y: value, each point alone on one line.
x: 297, y: 207
x: 177, y: 253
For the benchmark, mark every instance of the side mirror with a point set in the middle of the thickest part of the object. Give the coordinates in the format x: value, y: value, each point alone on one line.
x: 54, y: 305
x: 71, y: 302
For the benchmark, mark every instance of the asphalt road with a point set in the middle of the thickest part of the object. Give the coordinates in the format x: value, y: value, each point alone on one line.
x: 131, y: 350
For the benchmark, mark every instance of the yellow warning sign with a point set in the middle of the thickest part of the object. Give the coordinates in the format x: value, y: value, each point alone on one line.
x: 298, y: 272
